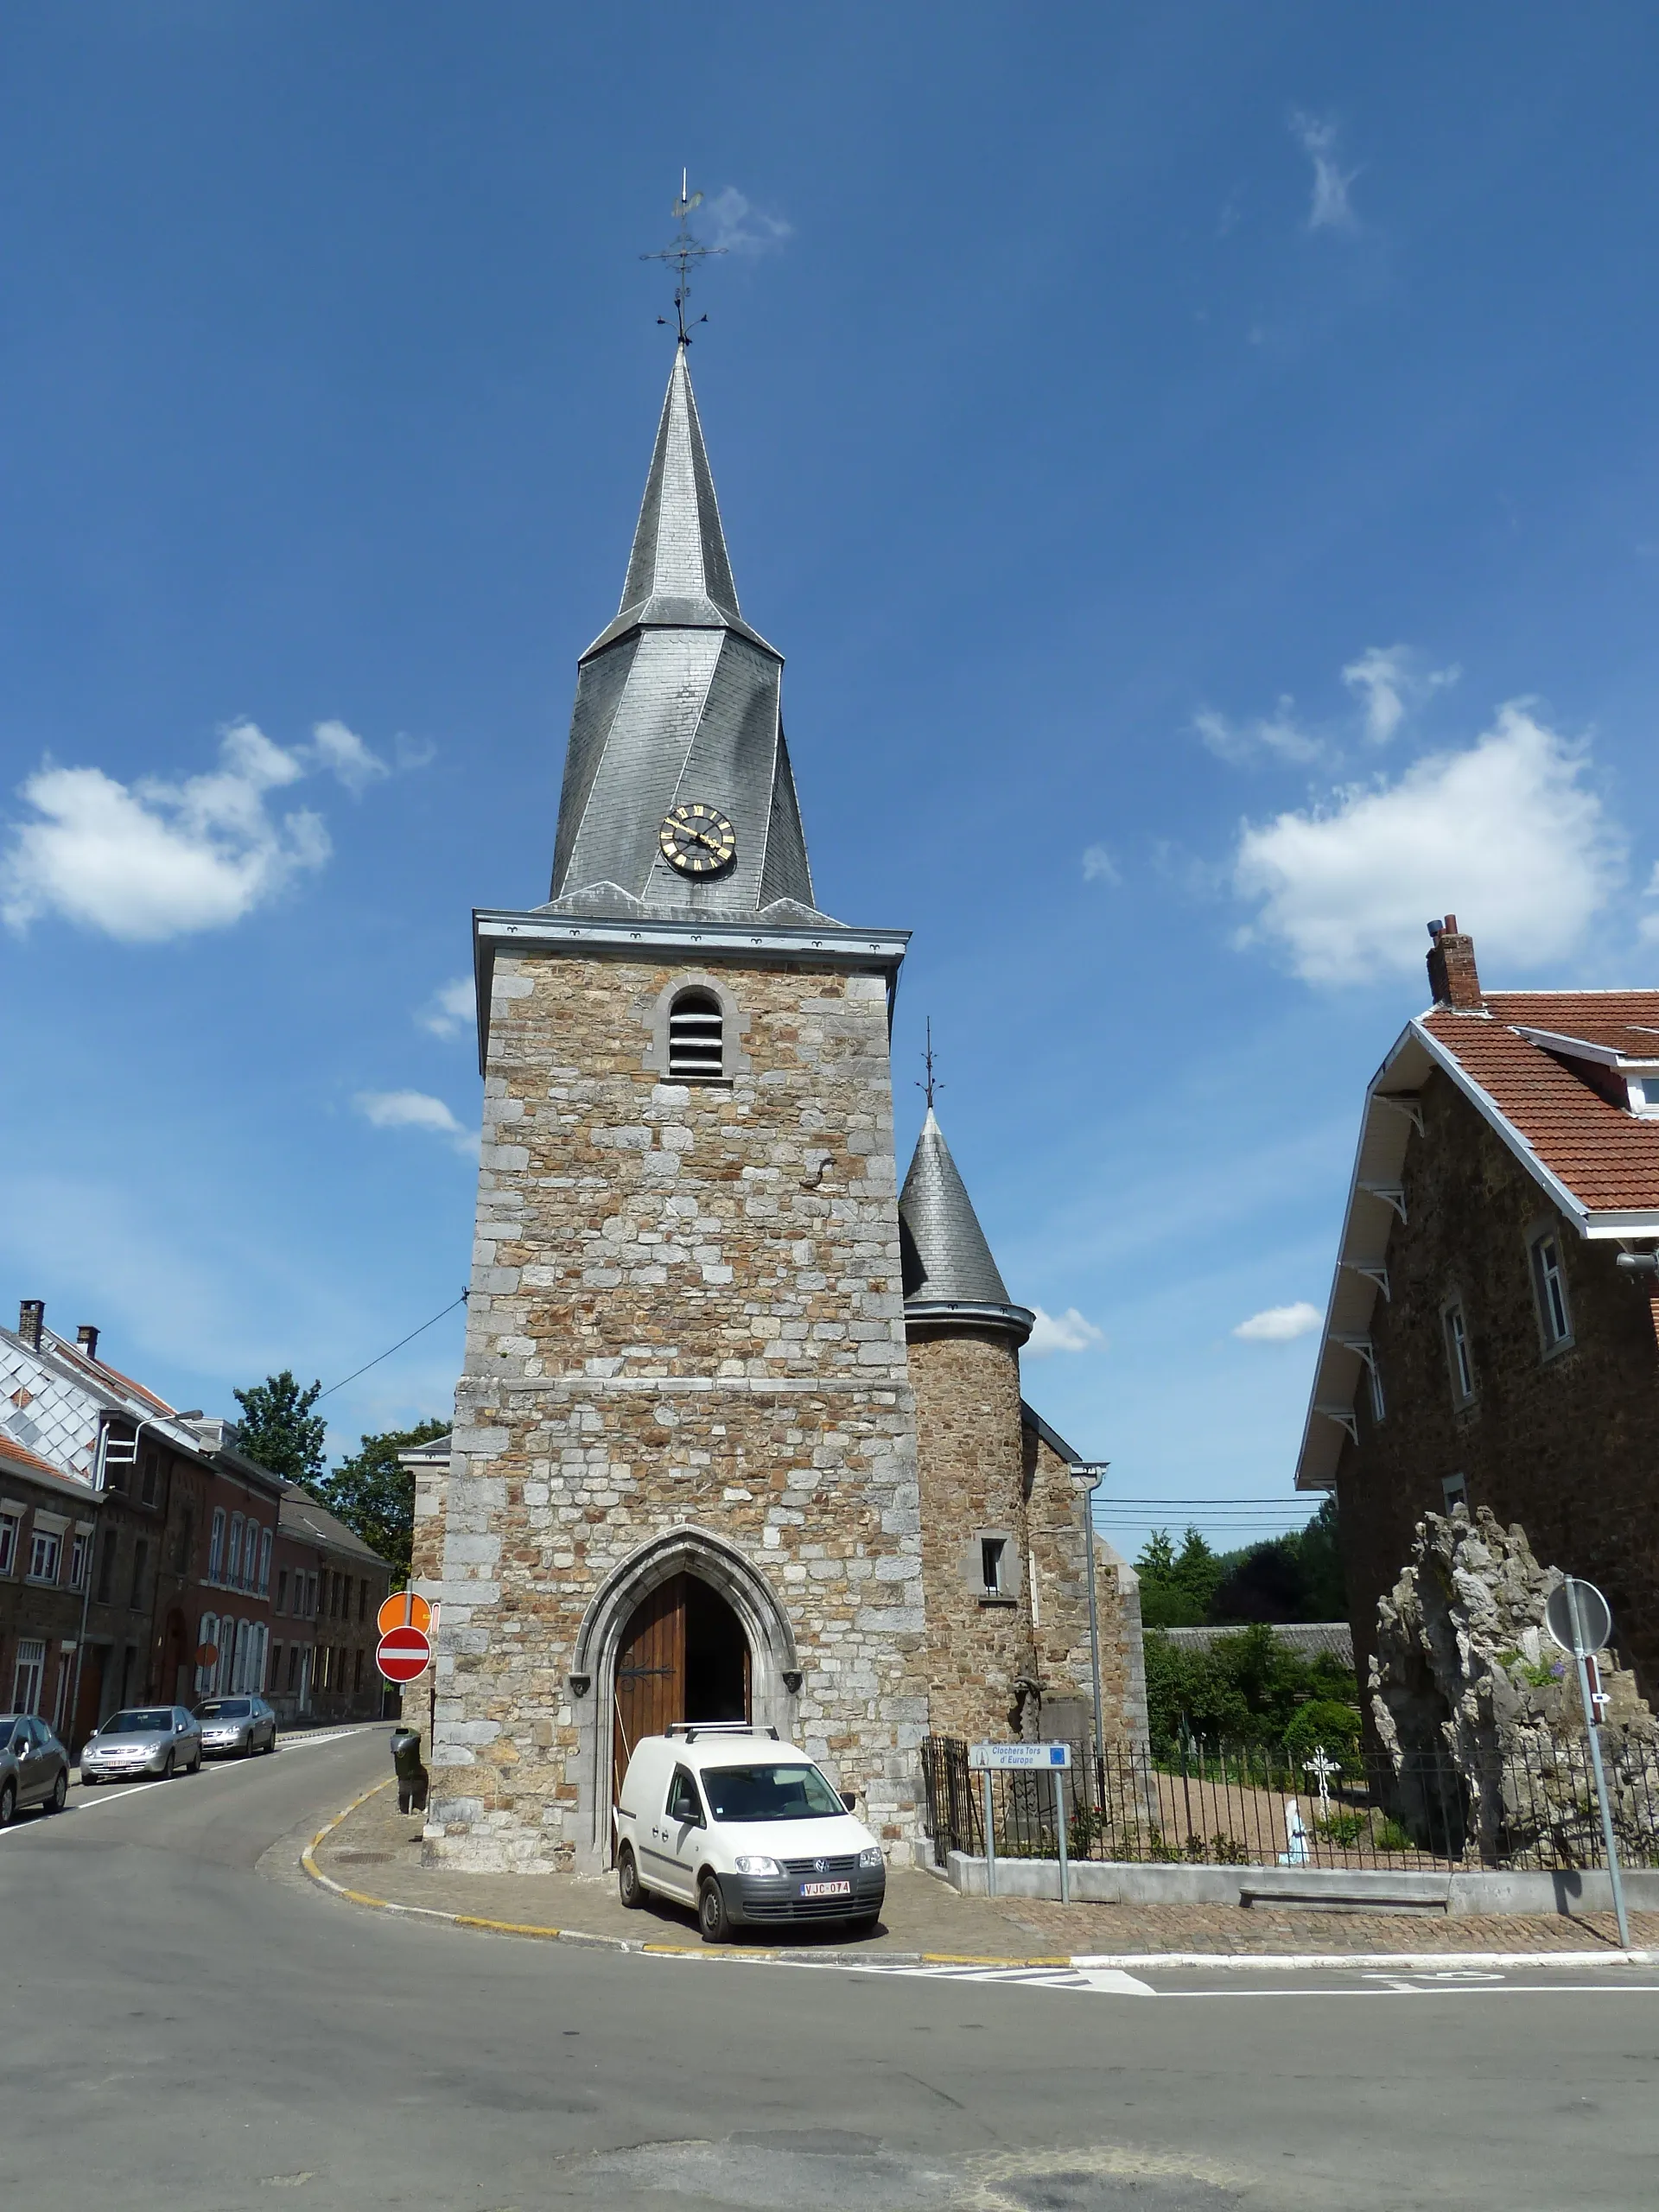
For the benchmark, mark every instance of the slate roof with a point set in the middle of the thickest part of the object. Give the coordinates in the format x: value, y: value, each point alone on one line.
x: 679, y: 700
x: 1308, y: 1639
x: 301, y: 1516
x: 946, y: 1262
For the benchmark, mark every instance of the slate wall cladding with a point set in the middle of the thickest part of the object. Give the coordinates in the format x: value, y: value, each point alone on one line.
x: 1565, y: 1444
x: 686, y: 1311
x: 980, y: 1650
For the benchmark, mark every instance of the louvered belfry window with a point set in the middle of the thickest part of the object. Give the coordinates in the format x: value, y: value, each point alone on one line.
x: 696, y: 1042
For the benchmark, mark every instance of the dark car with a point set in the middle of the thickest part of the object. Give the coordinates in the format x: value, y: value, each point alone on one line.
x: 34, y: 1765
x: 245, y: 1725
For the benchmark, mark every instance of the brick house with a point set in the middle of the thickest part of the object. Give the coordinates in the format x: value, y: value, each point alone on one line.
x: 329, y: 1588
x: 1492, y: 1335
x: 47, y: 1521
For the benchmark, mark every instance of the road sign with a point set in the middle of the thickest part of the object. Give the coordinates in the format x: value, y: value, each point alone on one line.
x: 1008, y: 1758
x: 403, y: 1654
x: 1595, y: 1617
x: 405, y: 1610
x: 206, y: 1655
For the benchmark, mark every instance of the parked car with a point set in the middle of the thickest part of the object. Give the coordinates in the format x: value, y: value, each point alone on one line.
x: 142, y: 1739
x: 236, y: 1724
x: 34, y: 1766
x: 746, y: 1829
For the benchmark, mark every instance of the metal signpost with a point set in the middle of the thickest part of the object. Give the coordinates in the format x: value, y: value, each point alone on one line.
x: 987, y: 1759
x: 1581, y: 1620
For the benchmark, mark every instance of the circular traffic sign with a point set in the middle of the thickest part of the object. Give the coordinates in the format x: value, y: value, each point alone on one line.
x: 206, y: 1655
x: 1594, y: 1622
x: 403, y: 1653
x: 405, y: 1610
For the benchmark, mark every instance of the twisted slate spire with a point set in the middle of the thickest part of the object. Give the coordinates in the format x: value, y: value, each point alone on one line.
x: 948, y: 1273
x: 679, y: 700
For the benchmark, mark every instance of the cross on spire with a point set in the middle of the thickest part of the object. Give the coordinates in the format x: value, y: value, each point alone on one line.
x: 683, y: 250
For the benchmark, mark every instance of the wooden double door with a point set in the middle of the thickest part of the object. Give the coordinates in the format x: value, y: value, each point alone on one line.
x: 684, y: 1656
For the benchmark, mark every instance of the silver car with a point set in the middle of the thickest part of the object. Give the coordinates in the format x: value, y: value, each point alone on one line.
x: 34, y: 1766
x: 236, y: 1724
x: 142, y: 1739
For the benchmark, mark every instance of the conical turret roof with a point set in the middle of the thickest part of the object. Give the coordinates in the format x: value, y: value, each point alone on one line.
x: 678, y: 700
x: 947, y: 1264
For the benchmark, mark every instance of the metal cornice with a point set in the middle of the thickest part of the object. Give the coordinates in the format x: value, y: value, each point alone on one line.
x: 503, y: 930
x: 1018, y: 1321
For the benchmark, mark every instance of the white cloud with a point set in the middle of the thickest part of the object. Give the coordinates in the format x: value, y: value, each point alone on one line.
x: 1279, y: 1325
x: 150, y: 860
x: 451, y: 1008
x: 415, y: 1110
x: 1066, y: 1332
x: 1099, y: 866
x: 344, y: 753
x: 741, y: 227
x: 154, y: 861
x: 1386, y: 680
x: 1506, y: 834
x: 1331, y: 209
x: 1275, y: 735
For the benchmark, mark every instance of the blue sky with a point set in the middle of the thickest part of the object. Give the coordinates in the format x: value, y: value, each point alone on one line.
x: 1200, y: 463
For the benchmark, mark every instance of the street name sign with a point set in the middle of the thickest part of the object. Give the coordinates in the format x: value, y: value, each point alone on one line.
x: 404, y: 1654
x: 1016, y: 1758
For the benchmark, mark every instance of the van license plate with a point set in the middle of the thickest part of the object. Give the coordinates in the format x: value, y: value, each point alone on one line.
x: 826, y: 1889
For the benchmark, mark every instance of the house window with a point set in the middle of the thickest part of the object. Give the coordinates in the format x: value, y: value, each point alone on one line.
x: 1550, y: 1282
x: 30, y: 1677
x: 697, y: 1038
x: 140, y: 1561
x: 106, y: 1566
x: 79, y: 1551
x: 1455, y: 1490
x: 234, y: 1556
x: 281, y: 1590
x: 992, y: 1552
x: 1459, y: 1359
x: 45, y: 1555
x: 10, y: 1525
x: 148, y: 1475
x: 216, y: 1545
x: 293, y: 1665
x: 362, y: 1601
x: 265, y: 1560
x: 1643, y: 1090
x: 206, y: 1637
x: 357, y: 1668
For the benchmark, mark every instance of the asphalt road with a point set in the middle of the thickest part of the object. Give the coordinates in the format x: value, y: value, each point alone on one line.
x: 187, y: 2022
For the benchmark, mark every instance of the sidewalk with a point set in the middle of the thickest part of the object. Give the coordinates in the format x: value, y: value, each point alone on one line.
x: 373, y: 1853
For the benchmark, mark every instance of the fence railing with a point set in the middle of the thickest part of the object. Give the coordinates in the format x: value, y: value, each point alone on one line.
x: 1269, y: 1804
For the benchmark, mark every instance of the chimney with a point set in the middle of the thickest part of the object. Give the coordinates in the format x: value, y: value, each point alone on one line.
x: 31, y: 1319
x: 1451, y: 973
x: 86, y: 1337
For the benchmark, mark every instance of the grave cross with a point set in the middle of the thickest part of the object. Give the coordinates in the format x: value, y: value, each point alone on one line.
x: 1323, y: 1769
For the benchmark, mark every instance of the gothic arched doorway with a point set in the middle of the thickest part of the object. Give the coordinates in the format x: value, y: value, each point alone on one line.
x: 682, y: 1657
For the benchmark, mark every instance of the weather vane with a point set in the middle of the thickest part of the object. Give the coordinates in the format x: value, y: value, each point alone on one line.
x: 683, y: 252
x: 930, y: 1085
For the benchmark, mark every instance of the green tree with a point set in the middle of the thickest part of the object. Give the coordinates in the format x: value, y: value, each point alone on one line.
x: 1244, y: 1689
x: 279, y: 1429
x: 1176, y: 1587
x: 375, y: 1497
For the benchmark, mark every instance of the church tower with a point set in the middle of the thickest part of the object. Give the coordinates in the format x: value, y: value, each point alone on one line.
x: 682, y: 1482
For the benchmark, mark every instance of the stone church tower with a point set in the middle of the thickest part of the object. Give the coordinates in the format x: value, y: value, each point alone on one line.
x: 682, y: 1482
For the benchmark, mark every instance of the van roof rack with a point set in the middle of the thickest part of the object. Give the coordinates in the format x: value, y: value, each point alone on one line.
x: 692, y: 1729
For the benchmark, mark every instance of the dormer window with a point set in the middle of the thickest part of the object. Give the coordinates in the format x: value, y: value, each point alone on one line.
x: 697, y: 1038
x: 1642, y: 1086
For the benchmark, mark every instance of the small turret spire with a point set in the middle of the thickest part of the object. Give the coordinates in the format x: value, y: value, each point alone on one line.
x: 948, y: 1272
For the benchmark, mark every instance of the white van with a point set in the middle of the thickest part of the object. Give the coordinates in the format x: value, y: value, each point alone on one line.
x: 746, y: 1829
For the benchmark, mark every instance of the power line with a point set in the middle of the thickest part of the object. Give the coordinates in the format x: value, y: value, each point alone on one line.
x: 398, y: 1346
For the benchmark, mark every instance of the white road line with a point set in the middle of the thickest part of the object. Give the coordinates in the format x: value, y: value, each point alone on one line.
x: 119, y: 1792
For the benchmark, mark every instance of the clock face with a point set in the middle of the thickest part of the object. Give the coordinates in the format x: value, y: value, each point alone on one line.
x: 697, y: 839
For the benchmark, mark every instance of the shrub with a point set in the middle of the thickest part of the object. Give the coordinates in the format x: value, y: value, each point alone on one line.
x: 1325, y: 1720
x: 1343, y: 1829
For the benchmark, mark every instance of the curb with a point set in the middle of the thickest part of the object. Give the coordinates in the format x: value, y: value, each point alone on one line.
x: 1082, y: 1961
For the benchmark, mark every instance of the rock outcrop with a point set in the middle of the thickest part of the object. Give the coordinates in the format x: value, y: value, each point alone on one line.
x: 1480, y: 1715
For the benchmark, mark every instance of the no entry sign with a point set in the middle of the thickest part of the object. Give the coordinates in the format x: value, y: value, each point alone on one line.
x: 403, y: 1653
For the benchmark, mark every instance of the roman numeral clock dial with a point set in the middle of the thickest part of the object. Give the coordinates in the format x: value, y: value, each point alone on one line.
x: 697, y: 839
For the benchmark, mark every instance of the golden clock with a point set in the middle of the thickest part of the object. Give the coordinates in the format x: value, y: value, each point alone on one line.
x: 698, y: 840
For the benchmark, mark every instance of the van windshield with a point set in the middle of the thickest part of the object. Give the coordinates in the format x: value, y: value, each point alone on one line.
x: 769, y: 1793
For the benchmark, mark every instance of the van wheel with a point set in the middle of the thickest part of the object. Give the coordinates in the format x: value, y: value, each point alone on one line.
x: 630, y: 1895
x: 712, y: 1918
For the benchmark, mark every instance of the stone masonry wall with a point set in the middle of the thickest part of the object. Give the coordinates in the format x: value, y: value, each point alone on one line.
x: 1566, y: 1443
x: 980, y: 1665
x: 1056, y: 1509
x: 686, y: 1313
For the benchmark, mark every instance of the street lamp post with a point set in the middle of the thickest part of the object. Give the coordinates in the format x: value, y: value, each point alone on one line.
x: 1089, y: 1476
x: 99, y: 1472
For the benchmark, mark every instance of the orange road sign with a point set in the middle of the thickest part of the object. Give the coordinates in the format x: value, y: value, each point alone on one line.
x: 404, y: 1610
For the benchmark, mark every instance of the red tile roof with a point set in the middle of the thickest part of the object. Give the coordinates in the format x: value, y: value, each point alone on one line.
x: 1607, y: 1157
x: 21, y: 1455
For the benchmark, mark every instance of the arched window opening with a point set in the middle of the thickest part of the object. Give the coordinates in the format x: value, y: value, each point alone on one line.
x: 697, y: 1039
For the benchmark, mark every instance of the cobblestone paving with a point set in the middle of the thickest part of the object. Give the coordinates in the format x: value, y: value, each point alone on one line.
x: 376, y: 1850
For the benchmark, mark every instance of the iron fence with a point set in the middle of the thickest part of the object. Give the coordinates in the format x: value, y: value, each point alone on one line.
x: 1271, y: 1804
